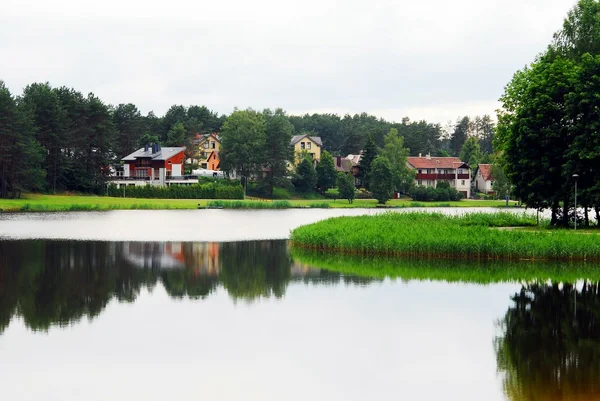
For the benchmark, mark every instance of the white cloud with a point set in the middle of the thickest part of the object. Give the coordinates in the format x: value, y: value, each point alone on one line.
x: 396, y: 58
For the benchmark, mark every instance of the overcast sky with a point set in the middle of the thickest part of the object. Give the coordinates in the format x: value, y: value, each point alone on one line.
x: 431, y: 60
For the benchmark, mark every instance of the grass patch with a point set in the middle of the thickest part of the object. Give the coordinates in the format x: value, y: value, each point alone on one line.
x: 61, y: 203
x: 434, y: 235
x: 464, y: 271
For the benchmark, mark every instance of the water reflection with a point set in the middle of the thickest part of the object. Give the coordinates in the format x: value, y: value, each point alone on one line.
x: 550, y: 348
x: 59, y: 282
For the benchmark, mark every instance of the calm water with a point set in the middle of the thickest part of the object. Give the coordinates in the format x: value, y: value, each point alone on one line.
x: 243, y: 320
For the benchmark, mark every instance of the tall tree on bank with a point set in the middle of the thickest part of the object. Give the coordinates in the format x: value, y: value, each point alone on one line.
x: 368, y: 155
x: 397, y: 154
x: 130, y: 127
x: 177, y: 135
x: 382, y: 184
x: 306, y: 177
x: 326, y: 173
x: 21, y: 155
x: 345, y: 184
x: 471, y: 152
x: 50, y: 122
x: 461, y: 132
x: 243, y: 140
x: 278, y: 151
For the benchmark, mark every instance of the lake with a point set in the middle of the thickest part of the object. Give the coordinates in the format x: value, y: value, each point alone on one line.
x: 212, y: 304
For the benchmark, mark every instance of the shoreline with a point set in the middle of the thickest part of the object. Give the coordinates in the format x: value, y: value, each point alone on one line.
x: 77, y: 203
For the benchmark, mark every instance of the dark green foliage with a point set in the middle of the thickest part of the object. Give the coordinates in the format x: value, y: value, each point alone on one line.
x: 471, y: 152
x: 214, y: 190
x: 382, y: 181
x: 177, y: 135
x: 443, y: 192
x: 243, y: 140
x: 278, y: 152
x: 346, y: 189
x: 21, y: 156
x: 368, y: 155
x: 326, y: 173
x: 397, y: 154
x: 462, y: 129
x: 130, y: 127
x: 305, y: 179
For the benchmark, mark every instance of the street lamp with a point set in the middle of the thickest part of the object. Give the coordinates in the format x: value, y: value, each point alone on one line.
x: 576, y: 176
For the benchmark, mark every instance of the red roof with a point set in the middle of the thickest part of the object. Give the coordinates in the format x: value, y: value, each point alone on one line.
x: 435, y: 162
x: 486, y: 171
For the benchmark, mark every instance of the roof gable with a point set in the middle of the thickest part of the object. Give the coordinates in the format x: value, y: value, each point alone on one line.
x: 486, y: 171
x: 315, y: 139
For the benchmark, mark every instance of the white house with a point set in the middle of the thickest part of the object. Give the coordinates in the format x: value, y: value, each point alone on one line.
x: 483, y: 179
x: 432, y: 170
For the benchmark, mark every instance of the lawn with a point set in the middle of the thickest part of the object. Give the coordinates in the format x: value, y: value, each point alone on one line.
x: 35, y: 202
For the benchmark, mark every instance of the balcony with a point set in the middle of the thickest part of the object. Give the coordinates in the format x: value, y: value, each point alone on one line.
x: 449, y: 177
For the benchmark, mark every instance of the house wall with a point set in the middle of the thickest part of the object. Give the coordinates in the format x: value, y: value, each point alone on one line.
x: 315, y: 149
x: 460, y: 179
x: 481, y: 185
x: 202, y: 153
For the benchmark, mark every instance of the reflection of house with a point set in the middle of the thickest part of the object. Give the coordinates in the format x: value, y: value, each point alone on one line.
x: 483, y: 179
x: 153, y: 165
x: 203, y: 147
x: 306, y: 145
x: 432, y: 170
x: 154, y: 255
x: 206, y: 258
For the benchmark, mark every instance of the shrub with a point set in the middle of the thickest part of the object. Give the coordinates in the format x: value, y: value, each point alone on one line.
x: 212, y: 190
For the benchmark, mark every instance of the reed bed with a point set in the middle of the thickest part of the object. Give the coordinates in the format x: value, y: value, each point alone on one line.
x: 432, y: 235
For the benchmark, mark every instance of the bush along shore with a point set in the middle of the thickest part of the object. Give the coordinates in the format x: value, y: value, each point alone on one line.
x: 209, y: 190
x: 431, y: 235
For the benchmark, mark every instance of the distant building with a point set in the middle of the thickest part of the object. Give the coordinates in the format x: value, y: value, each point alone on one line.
x: 432, y: 170
x: 483, y: 179
x: 309, y: 145
x: 203, y: 147
x: 153, y: 165
x: 348, y: 165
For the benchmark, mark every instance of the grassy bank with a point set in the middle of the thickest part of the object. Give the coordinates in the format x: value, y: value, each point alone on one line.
x: 54, y: 203
x: 464, y: 271
x: 431, y: 235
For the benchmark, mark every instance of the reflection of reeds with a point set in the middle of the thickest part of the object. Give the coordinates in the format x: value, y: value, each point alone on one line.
x: 449, y: 270
x: 470, y: 236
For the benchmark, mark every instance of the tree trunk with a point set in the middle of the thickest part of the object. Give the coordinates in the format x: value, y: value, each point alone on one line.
x: 565, y: 217
x: 587, y: 217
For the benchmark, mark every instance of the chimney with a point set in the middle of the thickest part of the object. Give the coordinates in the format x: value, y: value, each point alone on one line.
x: 419, y: 155
x: 338, y: 161
x: 158, y: 148
x: 428, y: 157
x: 153, y: 148
x: 146, y: 147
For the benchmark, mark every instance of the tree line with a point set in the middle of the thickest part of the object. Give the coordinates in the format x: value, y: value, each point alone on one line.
x: 58, y: 139
x: 548, y: 128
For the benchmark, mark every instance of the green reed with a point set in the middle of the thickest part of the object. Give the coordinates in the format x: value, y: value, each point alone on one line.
x: 470, y: 236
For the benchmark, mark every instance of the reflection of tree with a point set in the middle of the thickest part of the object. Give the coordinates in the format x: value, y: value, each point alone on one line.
x: 58, y: 282
x: 550, y: 348
x: 255, y: 268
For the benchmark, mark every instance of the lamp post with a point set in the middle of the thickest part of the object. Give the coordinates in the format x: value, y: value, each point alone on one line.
x: 576, y: 176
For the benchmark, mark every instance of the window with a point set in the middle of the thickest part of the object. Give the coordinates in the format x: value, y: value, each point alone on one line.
x: 452, y: 183
x: 169, y: 173
x: 302, y: 145
x: 204, y: 165
x: 462, y: 182
x: 419, y: 173
x: 308, y: 145
x: 213, y: 144
x: 203, y: 155
x: 170, y: 162
x: 420, y: 182
x: 206, y: 144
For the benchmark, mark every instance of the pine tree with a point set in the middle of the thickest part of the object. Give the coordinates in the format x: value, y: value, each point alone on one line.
x: 368, y: 155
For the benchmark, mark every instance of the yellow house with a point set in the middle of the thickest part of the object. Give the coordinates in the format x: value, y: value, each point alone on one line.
x: 309, y: 145
x: 203, y: 146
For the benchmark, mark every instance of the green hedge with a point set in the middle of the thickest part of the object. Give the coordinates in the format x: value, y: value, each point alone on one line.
x: 214, y: 190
